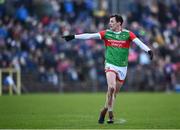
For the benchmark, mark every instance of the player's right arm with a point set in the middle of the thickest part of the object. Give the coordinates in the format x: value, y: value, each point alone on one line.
x: 99, y: 35
x: 83, y: 36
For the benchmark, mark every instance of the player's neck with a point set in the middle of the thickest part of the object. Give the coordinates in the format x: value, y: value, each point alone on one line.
x: 118, y: 29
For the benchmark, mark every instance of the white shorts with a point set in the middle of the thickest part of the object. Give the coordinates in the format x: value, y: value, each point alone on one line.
x: 120, y: 71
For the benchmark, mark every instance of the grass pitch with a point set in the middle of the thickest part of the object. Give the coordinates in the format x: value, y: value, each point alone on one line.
x: 81, y: 111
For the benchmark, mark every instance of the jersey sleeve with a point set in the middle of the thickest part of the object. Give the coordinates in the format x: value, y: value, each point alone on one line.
x: 88, y: 36
x: 102, y: 34
x: 132, y: 36
x: 138, y: 42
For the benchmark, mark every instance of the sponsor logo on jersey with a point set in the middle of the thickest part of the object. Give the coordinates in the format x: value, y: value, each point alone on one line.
x: 117, y: 43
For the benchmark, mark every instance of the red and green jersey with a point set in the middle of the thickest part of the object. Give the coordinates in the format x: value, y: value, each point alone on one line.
x: 117, y: 46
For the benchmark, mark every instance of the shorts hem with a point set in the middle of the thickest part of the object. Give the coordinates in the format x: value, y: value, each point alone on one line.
x: 117, y: 78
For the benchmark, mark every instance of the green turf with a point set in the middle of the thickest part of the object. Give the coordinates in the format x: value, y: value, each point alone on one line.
x: 80, y: 111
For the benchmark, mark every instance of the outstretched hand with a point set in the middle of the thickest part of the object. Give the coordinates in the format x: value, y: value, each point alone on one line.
x: 150, y: 53
x: 68, y: 37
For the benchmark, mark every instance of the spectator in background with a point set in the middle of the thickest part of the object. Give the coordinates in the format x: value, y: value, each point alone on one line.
x: 169, y: 74
x: 2, y: 8
x: 22, y: 13
x: 52, y: 77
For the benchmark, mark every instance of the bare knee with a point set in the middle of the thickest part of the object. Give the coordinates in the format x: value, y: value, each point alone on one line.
x: 111, y: 90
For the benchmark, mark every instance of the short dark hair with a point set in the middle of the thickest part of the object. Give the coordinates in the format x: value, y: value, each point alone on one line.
x: 118, y: 18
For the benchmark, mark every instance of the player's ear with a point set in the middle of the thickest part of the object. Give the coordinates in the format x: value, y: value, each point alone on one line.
x: 119, y: 23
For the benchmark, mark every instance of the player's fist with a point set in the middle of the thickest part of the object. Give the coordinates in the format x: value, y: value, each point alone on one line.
x: 68, y: 37
x: 150, y: 53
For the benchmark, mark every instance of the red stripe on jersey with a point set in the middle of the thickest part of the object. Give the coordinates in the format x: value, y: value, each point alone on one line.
x: 117, y: 43
x: 132, y: 36
x: 102, y: 33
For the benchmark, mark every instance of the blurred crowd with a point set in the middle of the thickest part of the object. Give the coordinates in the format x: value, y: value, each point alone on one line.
x: 30, y: 41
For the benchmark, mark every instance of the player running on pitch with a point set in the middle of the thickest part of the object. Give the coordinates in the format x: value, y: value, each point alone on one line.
x: 117, y: 41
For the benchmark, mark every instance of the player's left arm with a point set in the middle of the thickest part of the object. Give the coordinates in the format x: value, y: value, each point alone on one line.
x: 138, y: 42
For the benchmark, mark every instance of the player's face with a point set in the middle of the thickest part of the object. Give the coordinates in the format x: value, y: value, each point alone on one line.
x: 113, y: 24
